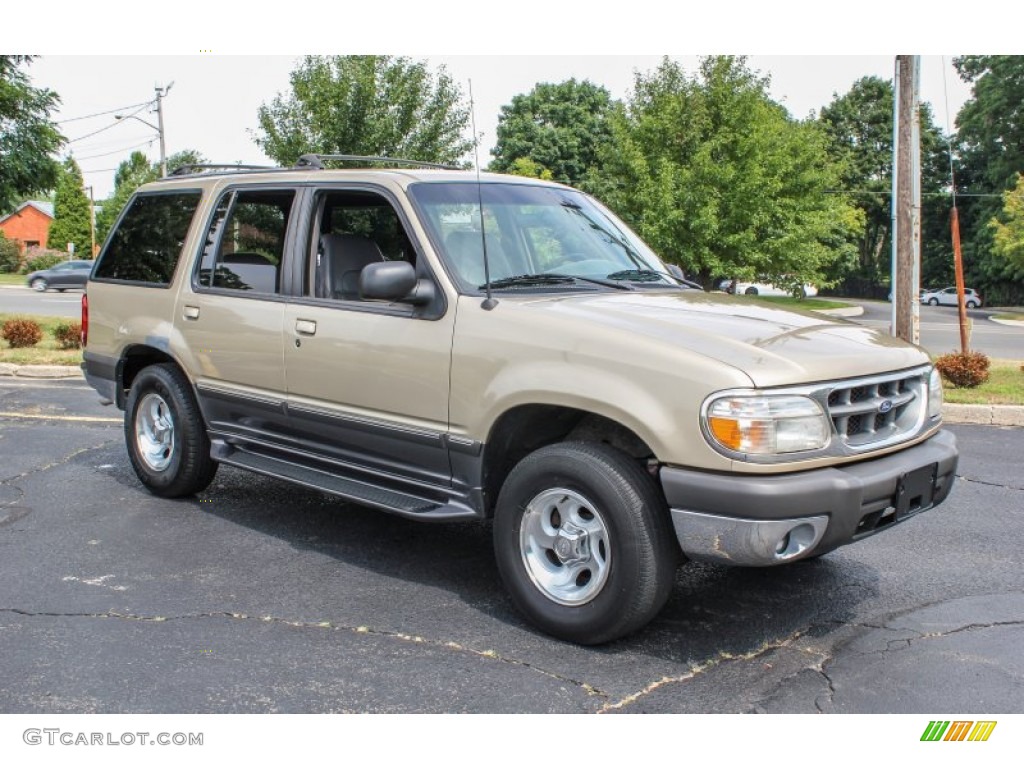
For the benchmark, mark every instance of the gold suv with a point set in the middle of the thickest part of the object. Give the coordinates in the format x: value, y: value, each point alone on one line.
x: 445, y: 346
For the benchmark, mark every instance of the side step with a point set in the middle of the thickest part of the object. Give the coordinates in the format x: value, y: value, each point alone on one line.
x: 387, y: 499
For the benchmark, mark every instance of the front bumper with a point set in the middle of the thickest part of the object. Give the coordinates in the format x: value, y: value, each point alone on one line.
x: 758, y: 520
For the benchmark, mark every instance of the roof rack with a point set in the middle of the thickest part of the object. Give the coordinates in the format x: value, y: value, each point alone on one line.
x: 193, y: 168
x: 317, y: 161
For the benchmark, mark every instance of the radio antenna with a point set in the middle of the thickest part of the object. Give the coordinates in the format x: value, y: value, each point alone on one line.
x: 490, y: 302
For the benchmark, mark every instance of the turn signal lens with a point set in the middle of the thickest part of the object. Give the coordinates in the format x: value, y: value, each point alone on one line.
x: 935, y: 394
x: 762, y: 424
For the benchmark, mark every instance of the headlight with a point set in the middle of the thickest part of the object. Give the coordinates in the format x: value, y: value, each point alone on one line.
x: 764, y: 424
x: 935, y: 394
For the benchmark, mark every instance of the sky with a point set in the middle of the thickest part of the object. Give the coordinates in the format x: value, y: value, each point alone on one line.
x: 108, y: 55
x: 213, y: 102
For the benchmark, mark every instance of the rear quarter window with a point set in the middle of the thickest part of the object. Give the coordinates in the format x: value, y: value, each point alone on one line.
x: 147, y: 244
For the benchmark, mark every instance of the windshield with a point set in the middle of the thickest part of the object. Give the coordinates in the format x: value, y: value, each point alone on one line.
x: 532, y: 231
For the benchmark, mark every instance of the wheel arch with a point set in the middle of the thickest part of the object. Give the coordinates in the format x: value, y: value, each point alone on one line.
x: 134, y: 358
x: 523, y: 429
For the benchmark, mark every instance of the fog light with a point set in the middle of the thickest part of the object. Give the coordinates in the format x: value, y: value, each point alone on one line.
x: 796, y: 541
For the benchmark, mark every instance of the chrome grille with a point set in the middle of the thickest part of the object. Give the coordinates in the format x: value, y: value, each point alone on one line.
x: 878, y: 409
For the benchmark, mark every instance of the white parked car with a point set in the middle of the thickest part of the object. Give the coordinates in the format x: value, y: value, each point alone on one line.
x: 947, y: 297
x: 767, y: 289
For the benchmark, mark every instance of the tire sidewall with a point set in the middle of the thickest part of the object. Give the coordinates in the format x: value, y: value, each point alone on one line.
x: 593, y: 620
x: 154, y: 380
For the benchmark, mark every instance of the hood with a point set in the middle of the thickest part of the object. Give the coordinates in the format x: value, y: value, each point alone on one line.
x: 772, y: 346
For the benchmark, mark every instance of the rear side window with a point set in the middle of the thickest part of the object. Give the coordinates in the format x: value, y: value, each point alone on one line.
x: 148, y: 242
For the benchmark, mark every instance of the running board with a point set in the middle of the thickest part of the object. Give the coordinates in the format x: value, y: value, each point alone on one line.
x: 369, y: 494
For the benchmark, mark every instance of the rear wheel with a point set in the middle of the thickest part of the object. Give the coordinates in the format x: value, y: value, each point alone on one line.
x: 972, y: 305
x: 167, y: 441
x: 751, y: 291
x: 583, y: 542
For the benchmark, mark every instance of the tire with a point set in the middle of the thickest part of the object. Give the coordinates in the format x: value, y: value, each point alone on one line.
x: 61, y: 290
x: 39, y: 284
x: 164, y: 431
x: 751, y: 291
x: 590, y: 510
x: 933, y: 302
x: 972, y: 305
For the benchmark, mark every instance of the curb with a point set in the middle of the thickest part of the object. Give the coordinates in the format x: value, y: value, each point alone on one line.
x: 842, y: 311
x: 1016, y: 323
x: 994, y: 415
x: 40, y: 371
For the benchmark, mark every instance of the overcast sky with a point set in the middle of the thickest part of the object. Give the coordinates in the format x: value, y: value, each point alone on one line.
x: 109, y: 54
x: 213, y: 103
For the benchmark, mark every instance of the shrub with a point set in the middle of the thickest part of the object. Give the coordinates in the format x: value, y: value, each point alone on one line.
x: 10, y: 254
x: 964, y: 369
x: 42, y: 258
x: 68, y: 335
x: 20, y: 332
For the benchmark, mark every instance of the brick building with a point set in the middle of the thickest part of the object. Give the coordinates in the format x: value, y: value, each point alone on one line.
x: 29, y: 224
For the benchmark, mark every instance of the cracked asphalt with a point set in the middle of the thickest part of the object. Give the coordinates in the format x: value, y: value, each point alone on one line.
x: 263, y: 597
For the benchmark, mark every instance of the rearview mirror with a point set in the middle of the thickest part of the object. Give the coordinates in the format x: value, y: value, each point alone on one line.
x: 394, y: 281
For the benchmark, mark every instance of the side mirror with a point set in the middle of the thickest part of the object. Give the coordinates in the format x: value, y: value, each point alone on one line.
x: 394, y: 281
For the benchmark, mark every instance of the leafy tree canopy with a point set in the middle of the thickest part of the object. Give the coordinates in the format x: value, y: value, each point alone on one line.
x: 859, y: 128
x: 717, y: 178
x: 366, y: 105
x: 28, y: 138
x: 72, y: 213
x: 1009, y: 228
x: 556, y: 126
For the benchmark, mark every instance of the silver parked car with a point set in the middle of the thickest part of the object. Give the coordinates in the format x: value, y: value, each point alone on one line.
x: 947, y: 297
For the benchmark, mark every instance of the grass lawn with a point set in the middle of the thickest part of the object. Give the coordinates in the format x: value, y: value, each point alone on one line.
x: 6, y: 278
x: 789, y: 301
x: 1005, y: 386
x: 46, y: 352
x: 1018, y: 318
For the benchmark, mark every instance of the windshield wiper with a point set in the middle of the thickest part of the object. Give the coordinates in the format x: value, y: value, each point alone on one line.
x: 641, y: 276
x: 551, y: 278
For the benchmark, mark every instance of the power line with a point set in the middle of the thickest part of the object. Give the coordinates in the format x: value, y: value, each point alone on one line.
x: 108, y: 127
x: 99, y: 114
x: 146, y: 143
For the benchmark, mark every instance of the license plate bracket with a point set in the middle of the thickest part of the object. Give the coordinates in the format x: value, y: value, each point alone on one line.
x: 915, y: 491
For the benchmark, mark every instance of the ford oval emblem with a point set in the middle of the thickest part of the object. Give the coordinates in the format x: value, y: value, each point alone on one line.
x: 885, y: 406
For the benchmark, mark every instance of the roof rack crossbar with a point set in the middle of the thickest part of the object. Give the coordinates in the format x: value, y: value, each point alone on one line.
x: 315, y: 160
x: 191, y: 168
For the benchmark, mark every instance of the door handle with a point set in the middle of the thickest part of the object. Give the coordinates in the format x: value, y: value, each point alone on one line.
x: 191, y: 313
x: 305, y: 327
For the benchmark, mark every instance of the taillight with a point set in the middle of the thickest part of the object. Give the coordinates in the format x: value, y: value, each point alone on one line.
x: 85, y: 320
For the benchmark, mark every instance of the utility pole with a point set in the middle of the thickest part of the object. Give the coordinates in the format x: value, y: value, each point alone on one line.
x: 161, y: 92
x: 906, y: 202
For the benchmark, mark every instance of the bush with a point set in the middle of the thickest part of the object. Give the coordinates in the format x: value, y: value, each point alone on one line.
x: 42, y: 258
x: 10, y: 254
x: 964, y: 370
x: 68, y: 335
x: 20, y: 332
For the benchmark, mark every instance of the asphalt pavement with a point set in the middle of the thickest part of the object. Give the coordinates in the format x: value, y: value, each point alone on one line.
x: 263, y: 597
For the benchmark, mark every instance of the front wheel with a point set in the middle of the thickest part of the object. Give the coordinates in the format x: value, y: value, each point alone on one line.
x: 39, y: 284
x: 583, y: 542
x: 933, y: 302
x: 167, y: 441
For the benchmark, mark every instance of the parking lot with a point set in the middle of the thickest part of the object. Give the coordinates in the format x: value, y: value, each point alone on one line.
x: 261, y: 597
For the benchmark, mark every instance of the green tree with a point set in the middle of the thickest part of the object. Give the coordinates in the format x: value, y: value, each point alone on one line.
x: 717, y: 178
x: 990, y: 133
x: 130, y: 175
x: 524, y: 166
x: 366, y: 105
x: 558, y: 126
x: 1008, y: 230
x: 72, y: 212
x: 28, y: 138
x: 859, y: 128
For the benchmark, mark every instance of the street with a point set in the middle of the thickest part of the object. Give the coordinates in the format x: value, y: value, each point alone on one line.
x: 265, y: 597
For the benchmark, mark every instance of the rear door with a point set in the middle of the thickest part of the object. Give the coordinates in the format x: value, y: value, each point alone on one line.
x: 231, y: 310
